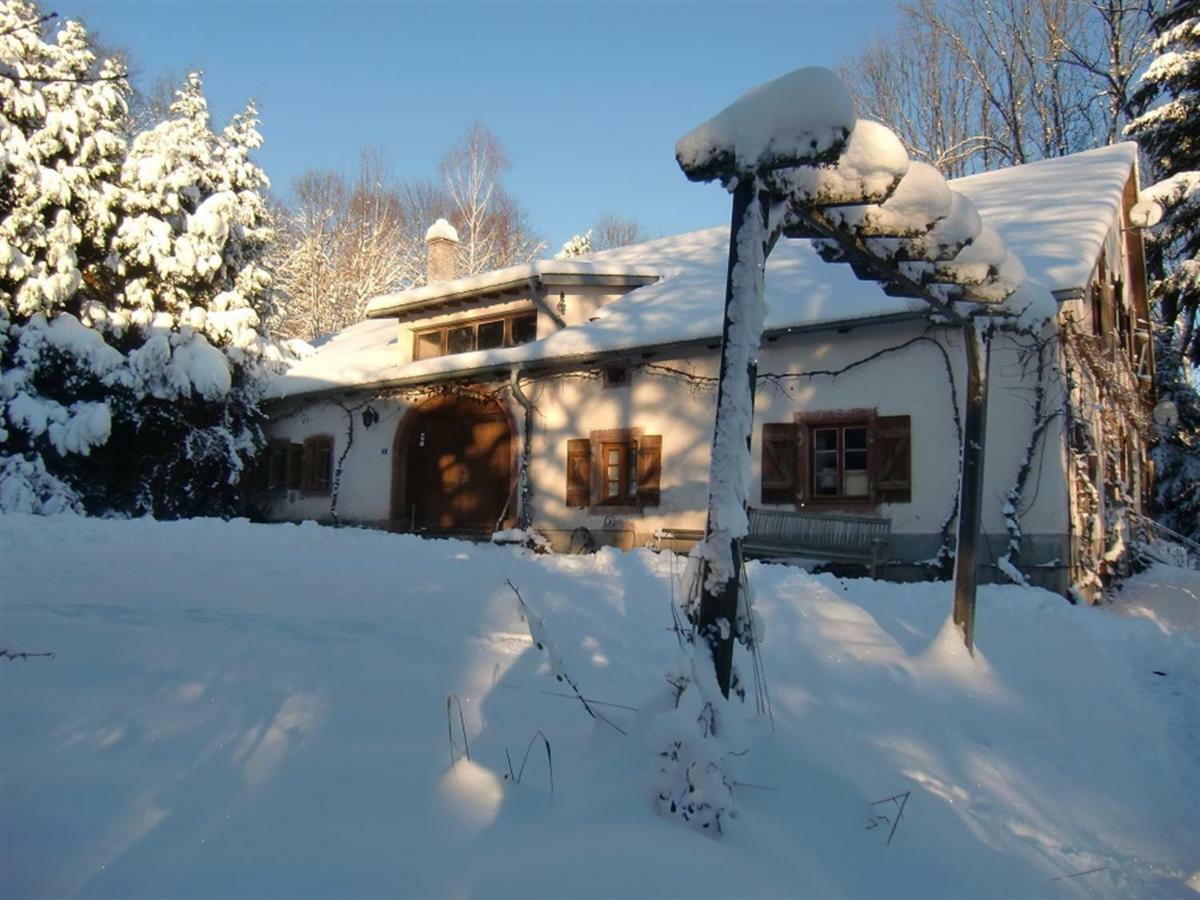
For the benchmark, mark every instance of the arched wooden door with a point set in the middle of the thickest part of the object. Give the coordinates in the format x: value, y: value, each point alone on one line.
x: 452, y: 466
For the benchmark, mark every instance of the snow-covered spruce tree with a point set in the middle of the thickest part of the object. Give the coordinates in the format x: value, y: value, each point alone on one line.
x: 190, y: 291
x: 1177, y: 454
x: 131, y: 290
x: 1169, y: 133
x: 60, y: 115
x: 578, y: 245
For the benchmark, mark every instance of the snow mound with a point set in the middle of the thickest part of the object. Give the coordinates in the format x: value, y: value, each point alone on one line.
x: 443, y: 230
x: 258, y: 710
x: 801, y: 116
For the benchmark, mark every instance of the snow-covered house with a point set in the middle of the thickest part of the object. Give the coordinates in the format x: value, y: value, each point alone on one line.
x: 581, y: 392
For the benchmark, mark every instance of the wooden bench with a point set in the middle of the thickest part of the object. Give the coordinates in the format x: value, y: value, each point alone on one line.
x: 829, y: 536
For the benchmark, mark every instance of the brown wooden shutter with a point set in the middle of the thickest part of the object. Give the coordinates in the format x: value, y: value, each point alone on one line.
x: 318, y: 464
x: 649, y: 469
x: 801, y: 457
x: 579, y: 472
x: 295, y: 467
x: 891, y: 458
x: 310, y: 465
x: 778, y: 462
x: 323, y: 467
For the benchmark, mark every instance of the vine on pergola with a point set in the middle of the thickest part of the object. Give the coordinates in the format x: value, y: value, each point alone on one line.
x: 799, y: 163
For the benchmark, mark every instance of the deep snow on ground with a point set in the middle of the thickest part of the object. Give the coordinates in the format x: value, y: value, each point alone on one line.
x: 1166, y: 595
x: 241, y: 710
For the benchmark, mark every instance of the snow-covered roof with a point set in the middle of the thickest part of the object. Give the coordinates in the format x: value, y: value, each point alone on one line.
x: 1053, y: 214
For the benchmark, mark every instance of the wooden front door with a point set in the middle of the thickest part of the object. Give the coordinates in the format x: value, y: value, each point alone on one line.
x: 458, y: 467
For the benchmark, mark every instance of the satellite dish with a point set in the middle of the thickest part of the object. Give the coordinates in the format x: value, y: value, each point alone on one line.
x: 1145, y: 214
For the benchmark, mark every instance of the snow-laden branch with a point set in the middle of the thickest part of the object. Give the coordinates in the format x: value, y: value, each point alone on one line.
x: 849, y: 184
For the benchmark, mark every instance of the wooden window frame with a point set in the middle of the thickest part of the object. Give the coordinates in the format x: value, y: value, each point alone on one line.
x: 443, y: 331
x: 617, y: 376
x: 626, y: 473
x: 839, y: 451
x: 318, y: 478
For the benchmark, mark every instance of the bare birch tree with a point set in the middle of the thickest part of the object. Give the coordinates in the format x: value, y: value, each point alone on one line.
x: 917, y: 83
x: 344, y: 242
x: 493, y: 229
x: 977, y: 84
x: 304, y: 257
x: 341, y: 245
x: 612, y: 230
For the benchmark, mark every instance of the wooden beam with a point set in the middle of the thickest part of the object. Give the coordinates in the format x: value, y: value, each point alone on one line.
x: 858, y: 254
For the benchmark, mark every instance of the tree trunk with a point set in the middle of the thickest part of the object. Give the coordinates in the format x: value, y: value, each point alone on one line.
x: 718, y: 613
x: 970, y: 516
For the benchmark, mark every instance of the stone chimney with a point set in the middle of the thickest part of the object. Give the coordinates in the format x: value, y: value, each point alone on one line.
x: 442, y: 242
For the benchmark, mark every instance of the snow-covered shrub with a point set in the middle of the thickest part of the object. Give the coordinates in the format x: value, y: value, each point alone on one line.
x: 131, y: 288
x: 692, y: 779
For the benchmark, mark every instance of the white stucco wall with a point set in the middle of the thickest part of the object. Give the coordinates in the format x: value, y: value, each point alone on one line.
x: 909, y: 382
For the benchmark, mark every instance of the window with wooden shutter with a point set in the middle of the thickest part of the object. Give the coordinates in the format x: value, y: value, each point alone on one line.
x: 275, y: 465
x: 844, y: 458
x: 318, y: 464
x: 891, y: 449
x: 779, y: 462
x: 579, y: 472
x: 649, y: 469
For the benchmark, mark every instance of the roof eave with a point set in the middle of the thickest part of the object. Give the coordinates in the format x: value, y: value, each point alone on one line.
x: 531, y: 281
x: 574, y: 361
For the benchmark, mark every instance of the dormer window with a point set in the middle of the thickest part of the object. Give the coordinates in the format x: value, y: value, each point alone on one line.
x: 479, y: 334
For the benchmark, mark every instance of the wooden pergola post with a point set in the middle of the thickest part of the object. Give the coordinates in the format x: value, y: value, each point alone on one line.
x: 783, y: 143
x: 970, y: 510
x: 717, y: 617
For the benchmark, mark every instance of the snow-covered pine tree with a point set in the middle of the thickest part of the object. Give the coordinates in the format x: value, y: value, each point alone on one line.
x: 60, y: 118
x: 1168, y: 130
x: 188, y: 255
x: 131, y: 289
x: 578, y: 245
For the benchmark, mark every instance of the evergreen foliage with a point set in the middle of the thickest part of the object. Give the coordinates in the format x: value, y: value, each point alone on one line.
x: 1168, y: 130
x: 131, y: 289
x: 1176, y: 455
x: 578, y: 245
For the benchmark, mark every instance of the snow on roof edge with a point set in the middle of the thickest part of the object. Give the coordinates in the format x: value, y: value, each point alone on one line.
x: 451, y: 366
x: 471, y: 284
x: 1055, y: 212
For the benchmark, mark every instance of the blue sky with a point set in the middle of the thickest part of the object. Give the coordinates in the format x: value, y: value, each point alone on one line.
x: 588, y: 98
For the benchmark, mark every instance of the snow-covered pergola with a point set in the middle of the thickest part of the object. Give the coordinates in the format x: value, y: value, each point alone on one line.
x: 800, y: 163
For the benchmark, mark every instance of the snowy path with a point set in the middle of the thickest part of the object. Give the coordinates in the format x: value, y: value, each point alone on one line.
x: 239, y: 710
